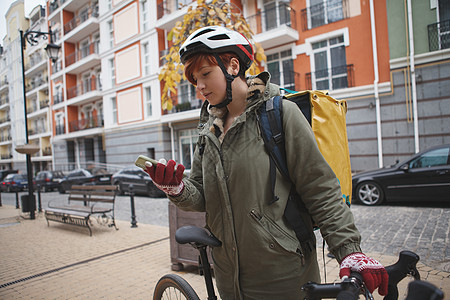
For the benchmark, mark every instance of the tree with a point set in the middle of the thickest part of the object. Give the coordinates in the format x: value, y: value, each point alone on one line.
x: 218, y: 12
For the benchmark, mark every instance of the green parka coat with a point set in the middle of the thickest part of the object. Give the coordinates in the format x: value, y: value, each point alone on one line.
x: 260, y: 256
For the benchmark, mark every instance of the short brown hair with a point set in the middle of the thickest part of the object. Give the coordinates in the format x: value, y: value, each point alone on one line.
x: 193, y: 63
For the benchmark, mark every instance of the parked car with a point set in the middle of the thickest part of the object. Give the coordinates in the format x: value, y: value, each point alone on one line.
x: 49, y: 180
x: 4, y: 173
x: 83, y: 177
x: 14, y: 183
x: 142, y: 183
x: 422, y: 177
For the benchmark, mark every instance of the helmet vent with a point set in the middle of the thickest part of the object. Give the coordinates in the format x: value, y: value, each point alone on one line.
x: 219, y: 37
x: 202, y: 32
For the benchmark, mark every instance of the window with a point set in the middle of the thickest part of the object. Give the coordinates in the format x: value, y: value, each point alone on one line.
x: 114, y: 109
x: 324, y: 11
x: 438, y: 157
x: 188, y: 140
x: 281, y: 67
x: 85, y: 83
x: 112, y: 68
x: 144, y: 14
x: 146, y: 55
x: 148, y: 101
x: 276, y: 13
x: 329, y: 63
x: 111, y: 34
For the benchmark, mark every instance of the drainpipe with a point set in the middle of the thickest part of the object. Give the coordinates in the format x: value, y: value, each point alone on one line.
x: 77, y: 154
x: 375, y: 84
x: 172, y: 142
x: 413, y: 78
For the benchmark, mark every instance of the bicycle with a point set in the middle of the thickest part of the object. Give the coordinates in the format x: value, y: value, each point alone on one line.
x: 172, y: 286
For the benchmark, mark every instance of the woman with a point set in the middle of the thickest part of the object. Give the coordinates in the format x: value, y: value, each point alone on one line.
x: 260, y: 256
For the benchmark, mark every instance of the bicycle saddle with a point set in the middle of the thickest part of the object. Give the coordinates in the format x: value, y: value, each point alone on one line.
x: 196, y: 235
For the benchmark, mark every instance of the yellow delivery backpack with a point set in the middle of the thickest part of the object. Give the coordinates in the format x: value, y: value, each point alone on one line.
x: 326, y: 116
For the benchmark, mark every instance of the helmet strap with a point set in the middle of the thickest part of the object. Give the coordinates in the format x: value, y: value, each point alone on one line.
x: 229, y: 78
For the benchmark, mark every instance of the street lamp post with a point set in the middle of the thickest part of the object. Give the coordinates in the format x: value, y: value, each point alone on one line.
x: 52, y: 51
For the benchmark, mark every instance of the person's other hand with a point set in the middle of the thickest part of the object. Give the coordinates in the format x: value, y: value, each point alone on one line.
x: 166, y: 177
x: 373, y: 272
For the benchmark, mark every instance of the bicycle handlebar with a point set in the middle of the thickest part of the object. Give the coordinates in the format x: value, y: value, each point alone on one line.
x: 351, y: 287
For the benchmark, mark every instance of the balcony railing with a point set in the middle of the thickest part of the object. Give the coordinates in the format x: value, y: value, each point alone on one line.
x: 439, y: 35
x: 272, y: 18
x: 60, y: 129
x: 5, y: 119
x: 324, y: 13
x: 56, y: 67
x: 31, y: 107
x: 4, y: 100
x: 58, y: 98
x: 77, y: 21
x: 47, y: 151
x: 167, y: 7
x: 82, y: 53
x: 44, y: 103
x: 6, y: 156
x: 36, y: 82
x: 83, y: 88
x: 4, y: 138
x: 34, y: 60
x: 86, y: 123
x: 331, y: 79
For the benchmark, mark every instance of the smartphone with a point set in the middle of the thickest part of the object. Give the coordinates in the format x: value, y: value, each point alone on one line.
x: 140, y: 161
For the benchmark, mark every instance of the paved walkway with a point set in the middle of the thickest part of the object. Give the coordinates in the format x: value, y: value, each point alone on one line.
x: 64, y: 262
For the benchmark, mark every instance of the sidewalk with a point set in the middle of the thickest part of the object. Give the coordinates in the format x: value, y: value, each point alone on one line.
x: 63, y: 262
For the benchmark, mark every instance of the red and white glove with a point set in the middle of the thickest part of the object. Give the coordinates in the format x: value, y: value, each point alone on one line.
x: 373, y: 273
x: 166, y: 178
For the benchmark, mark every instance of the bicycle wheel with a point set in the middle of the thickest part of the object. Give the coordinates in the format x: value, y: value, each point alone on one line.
x: 172, y: 286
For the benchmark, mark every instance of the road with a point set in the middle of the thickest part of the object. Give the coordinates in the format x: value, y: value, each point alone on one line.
x: 384, y: 229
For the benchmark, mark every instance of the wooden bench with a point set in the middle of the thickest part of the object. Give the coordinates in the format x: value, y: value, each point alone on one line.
x: 85, y: 201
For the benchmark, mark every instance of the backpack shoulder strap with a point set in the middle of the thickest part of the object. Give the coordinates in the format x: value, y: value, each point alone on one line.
x: 271, y: 125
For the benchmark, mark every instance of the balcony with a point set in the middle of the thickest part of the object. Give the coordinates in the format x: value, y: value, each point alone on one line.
x: 169, y: 12
x: 35, y: 83
x: 5, y: 119
x: 328, y: 12
x: 83, y: 25
x: 5, y: 138
x: 32, y: 107
x: 4, y: 100
x: 86, y: 123
x: 439, y: 35
x: 274, y: 26
x: 47, y: 151
x: 58, y: 98
x: 56, y: 67
x: 83, y: 89
x: 36, y: 62
x: 44, y: 103
x: 6, y: 156
x: 83, y: 59
x: 60, y: 129
x: 331, y: 79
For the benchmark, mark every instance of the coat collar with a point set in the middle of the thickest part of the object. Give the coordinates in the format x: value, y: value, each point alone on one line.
x: 259, y: 90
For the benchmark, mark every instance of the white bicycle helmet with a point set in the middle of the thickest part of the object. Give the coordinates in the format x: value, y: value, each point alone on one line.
x: 217, y: 39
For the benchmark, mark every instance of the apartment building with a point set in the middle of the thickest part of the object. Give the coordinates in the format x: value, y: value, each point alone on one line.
x: 105, y: 96
x: 75, y: 85
x: 12, y: 110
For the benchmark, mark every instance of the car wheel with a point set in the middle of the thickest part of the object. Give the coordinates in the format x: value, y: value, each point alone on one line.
x: 369, y: 193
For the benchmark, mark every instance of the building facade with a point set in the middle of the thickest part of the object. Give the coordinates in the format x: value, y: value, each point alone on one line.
x: 389, y: 59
